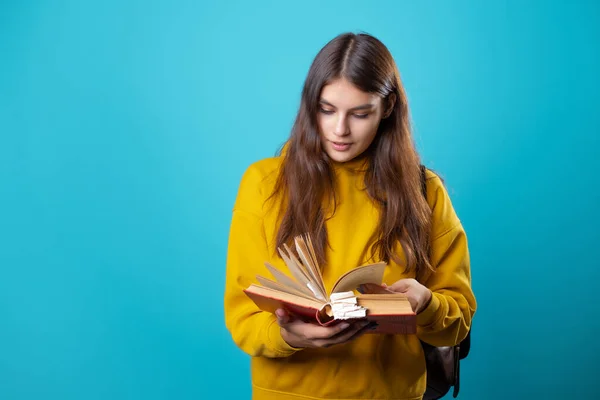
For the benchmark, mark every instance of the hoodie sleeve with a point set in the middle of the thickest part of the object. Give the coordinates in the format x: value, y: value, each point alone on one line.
x: 447, y: 319
x: 254, y: 331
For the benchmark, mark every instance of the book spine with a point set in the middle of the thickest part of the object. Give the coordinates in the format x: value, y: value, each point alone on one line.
x: 395, y: 324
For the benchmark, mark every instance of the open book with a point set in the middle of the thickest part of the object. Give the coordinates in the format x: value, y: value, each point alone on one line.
x: 357, y: 294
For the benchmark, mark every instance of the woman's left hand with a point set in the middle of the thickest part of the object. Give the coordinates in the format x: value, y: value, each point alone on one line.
x: 418, y: 295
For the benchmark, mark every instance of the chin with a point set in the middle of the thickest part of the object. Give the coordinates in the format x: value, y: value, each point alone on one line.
x: 341, y: 157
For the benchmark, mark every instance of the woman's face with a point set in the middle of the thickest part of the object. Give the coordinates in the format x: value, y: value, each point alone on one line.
x: 348, y: 119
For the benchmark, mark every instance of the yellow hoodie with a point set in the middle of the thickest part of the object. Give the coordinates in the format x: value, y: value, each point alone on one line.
x: 372, y: 366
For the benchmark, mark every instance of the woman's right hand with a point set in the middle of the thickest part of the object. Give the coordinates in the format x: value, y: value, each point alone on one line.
x: 300, y: 334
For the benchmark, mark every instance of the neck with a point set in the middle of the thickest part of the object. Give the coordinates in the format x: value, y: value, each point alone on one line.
x: 359, y: 163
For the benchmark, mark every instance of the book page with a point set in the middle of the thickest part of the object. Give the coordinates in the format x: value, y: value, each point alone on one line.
x: 305, y: 253
x: 299, y: 273
x: 281, y: 287
x: 284, y: 279
x: 372, y: 273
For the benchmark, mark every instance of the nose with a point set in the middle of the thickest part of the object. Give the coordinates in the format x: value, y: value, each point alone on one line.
x: 341, y: 126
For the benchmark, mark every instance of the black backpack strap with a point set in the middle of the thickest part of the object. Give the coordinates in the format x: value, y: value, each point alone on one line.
x: 460, y: 351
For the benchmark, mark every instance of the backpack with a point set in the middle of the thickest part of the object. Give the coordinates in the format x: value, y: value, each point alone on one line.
x: 443, y: 363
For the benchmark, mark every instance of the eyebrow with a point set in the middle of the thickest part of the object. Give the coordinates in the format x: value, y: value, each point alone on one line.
x: 361, y: 107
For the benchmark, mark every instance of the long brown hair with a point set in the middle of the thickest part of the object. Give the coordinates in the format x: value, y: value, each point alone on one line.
x: 392, y: 178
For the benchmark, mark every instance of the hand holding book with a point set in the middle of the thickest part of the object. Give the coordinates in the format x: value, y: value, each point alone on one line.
x: 418, y: 295
x: 305, y: 297
x: 300, y: 334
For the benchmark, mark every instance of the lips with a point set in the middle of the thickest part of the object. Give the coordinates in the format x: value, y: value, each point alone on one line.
x: 340, y: 146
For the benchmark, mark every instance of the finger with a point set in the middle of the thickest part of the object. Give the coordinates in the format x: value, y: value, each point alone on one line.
x: 355, y: 335
x: 347, y: 335
x: 400, y: 286
x: 283, y: 317
x: 316, y: 332
x: 356, y: 327
x: 373, y: 288
x: 368, y: 326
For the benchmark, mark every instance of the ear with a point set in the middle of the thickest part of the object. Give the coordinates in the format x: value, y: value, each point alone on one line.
x: 389, y: 106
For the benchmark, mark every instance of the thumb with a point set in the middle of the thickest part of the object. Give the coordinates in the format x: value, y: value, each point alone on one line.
x: 282, y: 316
x: 400, y: 286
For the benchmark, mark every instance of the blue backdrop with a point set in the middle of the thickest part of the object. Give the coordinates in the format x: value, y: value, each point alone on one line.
x: 125, y: 127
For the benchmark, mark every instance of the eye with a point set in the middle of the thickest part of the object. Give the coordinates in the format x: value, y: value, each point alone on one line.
x: 324, y: 111
x: 361, y: 116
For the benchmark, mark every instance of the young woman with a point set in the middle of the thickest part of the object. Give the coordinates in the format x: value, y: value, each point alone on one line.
x: 349, y: 176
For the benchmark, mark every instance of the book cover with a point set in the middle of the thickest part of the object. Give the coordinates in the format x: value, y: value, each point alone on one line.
x: 356, y: 295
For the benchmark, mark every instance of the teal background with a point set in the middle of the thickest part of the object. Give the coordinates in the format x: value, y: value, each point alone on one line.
x: 125, y: 127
